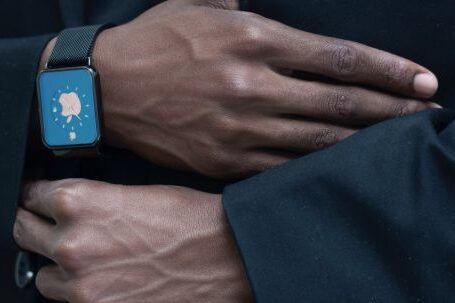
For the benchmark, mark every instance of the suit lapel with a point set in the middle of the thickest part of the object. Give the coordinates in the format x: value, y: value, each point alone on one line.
x: 73, y: 12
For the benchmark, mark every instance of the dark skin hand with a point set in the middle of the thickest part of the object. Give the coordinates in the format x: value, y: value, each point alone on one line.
x: 128, y: 244
x: 198, y: 85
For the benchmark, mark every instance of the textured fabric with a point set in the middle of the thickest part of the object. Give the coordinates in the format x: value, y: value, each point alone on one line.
x: 369, y: 220
x: 19, y: 62
x: 74, y: 46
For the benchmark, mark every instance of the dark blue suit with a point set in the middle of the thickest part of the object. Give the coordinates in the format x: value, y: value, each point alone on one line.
x: 369, y: 220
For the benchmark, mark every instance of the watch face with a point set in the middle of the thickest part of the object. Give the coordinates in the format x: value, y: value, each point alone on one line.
x: 68, y: 107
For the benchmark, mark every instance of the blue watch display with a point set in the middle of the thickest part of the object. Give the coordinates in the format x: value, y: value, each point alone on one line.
x: 68, y: 107
x: 68, y: 95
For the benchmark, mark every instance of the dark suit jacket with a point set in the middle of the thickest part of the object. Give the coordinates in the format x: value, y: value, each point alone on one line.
x: 369, y: 220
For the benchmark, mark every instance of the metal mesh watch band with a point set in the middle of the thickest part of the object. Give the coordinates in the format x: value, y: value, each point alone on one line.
x: 84, y: 153
x: 74, y: 46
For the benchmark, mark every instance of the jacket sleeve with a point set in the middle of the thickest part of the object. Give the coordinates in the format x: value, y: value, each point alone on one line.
x: 19, y: 58
x: 371, y: 219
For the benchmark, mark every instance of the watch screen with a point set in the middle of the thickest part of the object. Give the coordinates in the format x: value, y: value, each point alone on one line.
x: 68, y: 107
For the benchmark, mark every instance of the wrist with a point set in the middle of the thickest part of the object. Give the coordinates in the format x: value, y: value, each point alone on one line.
x: 118, y: 73
x: 68, y: 90
x: 103, y: 62
x: 106, y: 62
x: 46, y: 53
x: 198, y: 219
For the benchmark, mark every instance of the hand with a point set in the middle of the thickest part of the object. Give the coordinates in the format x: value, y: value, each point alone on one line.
x: 129, y: 244
x: 197, y: 85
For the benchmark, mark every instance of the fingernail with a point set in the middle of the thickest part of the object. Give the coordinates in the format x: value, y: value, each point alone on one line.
x: 434, y: 105
x: 426, y: 84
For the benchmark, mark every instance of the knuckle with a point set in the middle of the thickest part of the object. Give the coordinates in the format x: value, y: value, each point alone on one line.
x: 324, y: 138
x: 396, y: 71
x: 344, y: 59
x: 237, y: 82
x: 240, y: 88
x: 405, y: 108
x: 66, y: 198
x: 67, y: 254
x: 340, y: 105
x: 251, y: 31
x: 65, y: 207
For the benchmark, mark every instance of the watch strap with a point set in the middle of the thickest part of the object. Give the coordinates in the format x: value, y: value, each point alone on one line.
x: 75, y: 153
x: 74, y: 46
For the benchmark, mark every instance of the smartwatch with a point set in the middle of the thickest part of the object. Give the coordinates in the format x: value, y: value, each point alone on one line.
x: 69, y: 95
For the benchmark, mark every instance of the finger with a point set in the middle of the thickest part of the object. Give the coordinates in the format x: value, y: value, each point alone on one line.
x: 51, y: 199
x: 36, y: 196
x: 50, y: 283
x: 296, y: 136
x: 339, y: 104
x: 351, y: 62
x: 33, y: 233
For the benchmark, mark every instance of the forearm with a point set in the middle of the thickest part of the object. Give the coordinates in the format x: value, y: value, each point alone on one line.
x: 170, y: 244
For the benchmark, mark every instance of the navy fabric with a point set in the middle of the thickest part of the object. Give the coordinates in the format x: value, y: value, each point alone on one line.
x: 371, y: 219
x: 380, y: 244
x: 19, y: 60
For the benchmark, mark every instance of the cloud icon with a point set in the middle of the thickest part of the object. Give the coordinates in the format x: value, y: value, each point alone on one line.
x: 71, y: 106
